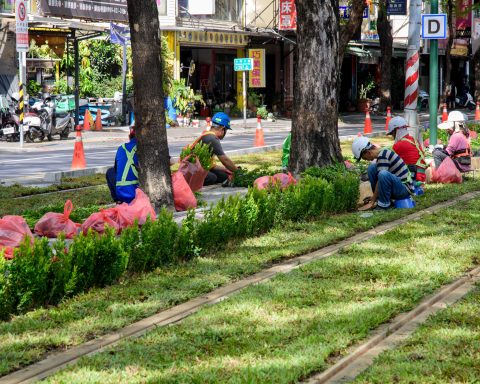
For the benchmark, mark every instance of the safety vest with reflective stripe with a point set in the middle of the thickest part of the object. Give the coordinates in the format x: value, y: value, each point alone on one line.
x: 130, y: 165
x: 421, y: 164
x: 127, y: 173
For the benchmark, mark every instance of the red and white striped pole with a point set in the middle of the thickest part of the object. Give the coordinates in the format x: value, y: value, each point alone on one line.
x: 412, y: 67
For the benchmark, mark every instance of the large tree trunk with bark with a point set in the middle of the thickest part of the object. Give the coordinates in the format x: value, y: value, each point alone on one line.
x: 151, y: 133
x: 315, y: 139
x: 448, y: 56
x: 354, y: 22
x: 386, y: 46
x: 476, y: 68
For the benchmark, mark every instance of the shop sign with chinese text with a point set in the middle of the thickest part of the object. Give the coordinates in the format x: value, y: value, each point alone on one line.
x: 287, y: 15
x: 257, y: 74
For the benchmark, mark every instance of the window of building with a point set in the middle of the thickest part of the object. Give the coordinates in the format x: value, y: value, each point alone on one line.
x: 225, y: 10
x: 162, y: 7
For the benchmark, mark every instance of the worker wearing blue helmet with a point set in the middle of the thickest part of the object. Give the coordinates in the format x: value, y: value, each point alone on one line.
x: 220, y: 126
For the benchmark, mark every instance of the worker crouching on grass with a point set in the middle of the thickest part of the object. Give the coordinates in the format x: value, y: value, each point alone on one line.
x: 122, y: 179
x: 389, y: 176
x: 408, y: 149
x: 220, y: 126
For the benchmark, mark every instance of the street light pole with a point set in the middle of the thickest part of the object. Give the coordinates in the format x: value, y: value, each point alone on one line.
x: 433, y: 102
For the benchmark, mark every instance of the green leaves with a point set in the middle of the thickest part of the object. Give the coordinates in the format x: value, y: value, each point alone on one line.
x: 200, y: 150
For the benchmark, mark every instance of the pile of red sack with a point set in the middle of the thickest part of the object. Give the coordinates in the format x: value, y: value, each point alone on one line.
x: 14, y: 229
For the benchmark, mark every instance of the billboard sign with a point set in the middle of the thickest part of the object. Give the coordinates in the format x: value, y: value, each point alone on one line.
x: 288, y: 15
x: 105, y: 10
x: 257, y: 74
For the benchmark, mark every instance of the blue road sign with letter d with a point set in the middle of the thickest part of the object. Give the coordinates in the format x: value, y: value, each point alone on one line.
x: 434, y: 26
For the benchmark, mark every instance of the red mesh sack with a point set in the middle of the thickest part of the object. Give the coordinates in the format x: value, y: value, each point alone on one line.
x: 194, y: 173
x: 52, y: 223
x: 182, y: 193
x: 121, y: 216
x: 285, y: 180
x: 264, y: 182
x: 139, y: 209
x: 13, y: 230
x: 446, y: 173
x: 98, y: 221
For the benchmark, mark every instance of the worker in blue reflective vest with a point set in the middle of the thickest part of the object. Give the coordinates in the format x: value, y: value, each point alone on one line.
x: 122, y: 179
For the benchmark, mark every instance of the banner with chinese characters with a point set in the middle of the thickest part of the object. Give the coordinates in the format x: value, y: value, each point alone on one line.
x: 288, y: 15
x: 209, y: 38
x: 105, y: 10
x: 257, y: 75
x: 397, y: 7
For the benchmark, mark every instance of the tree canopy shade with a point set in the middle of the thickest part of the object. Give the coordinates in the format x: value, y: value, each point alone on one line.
x: 152, y: 144
x: 315, y: 139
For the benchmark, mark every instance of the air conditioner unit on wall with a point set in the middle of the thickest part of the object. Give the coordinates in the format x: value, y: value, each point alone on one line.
x: 201, y: 7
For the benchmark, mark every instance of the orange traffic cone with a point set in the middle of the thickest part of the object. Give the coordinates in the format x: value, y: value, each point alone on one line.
x: 389, y: 117
x: 78, y: 161
x: 98, y: 120
x: 259, y: 138
x: 477, y: 112
x: 444, y: 113
x: 368, y: 122
x: 87, y: 121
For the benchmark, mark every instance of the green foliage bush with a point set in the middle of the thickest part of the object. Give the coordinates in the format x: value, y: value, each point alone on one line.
x: 43, y: 275
x: 202, y: 151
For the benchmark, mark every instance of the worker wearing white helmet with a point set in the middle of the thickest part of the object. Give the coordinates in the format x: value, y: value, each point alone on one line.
x: 408, y: 149
x: 458, y: 148
x: 389, y: 176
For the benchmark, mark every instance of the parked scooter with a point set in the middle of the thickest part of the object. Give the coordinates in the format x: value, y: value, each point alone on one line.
x: 10, y: 120
x: 423, y: 99
x: 43, y: 121
x: 465, y: 101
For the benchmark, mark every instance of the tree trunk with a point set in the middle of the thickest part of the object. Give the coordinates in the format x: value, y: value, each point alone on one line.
x: 476, y: 68
x: 152, y: 144
x: 448, y: 56
x: 354, y: 22
x: 315, y: 139
x: 386, y: 47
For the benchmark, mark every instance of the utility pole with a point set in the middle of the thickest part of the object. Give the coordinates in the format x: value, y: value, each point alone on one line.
x: 433, y: 102
x: 412, y: 72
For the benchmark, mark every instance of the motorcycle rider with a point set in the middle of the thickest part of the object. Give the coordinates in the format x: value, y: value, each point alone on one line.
x: 458, y: 148
x: 408, y: 149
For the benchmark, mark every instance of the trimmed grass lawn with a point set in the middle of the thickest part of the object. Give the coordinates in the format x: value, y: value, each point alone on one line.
x: 446, y: 349
x: 286, y: 329
x: 27, y: 338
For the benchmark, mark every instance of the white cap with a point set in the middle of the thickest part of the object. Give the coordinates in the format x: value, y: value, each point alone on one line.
x: 395, y: 123
x: 457, y: 116
x: 359, y: 145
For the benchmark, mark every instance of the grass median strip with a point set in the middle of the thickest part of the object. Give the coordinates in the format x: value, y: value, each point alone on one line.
x: 26, y: 339
x: 445, y: 349
x: 285, y: 329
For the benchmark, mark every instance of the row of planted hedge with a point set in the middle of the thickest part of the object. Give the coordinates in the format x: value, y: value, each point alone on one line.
x: 44, y: 274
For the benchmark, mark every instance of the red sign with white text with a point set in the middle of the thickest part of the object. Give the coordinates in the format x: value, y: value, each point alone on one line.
x: 288, y: 15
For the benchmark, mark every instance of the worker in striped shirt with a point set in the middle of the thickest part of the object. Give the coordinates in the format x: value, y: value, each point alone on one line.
x: 388, y: 174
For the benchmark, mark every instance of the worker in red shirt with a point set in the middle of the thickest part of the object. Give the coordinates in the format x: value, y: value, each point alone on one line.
x: 408, y: 149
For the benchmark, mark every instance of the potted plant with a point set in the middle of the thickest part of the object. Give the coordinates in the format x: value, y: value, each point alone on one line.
x: 365, y: 88
x: 254, y: 101
x: 184, y: 99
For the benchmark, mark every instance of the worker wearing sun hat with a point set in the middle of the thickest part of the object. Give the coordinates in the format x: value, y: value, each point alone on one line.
x: 458, y: 148
x: 408, y: 149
